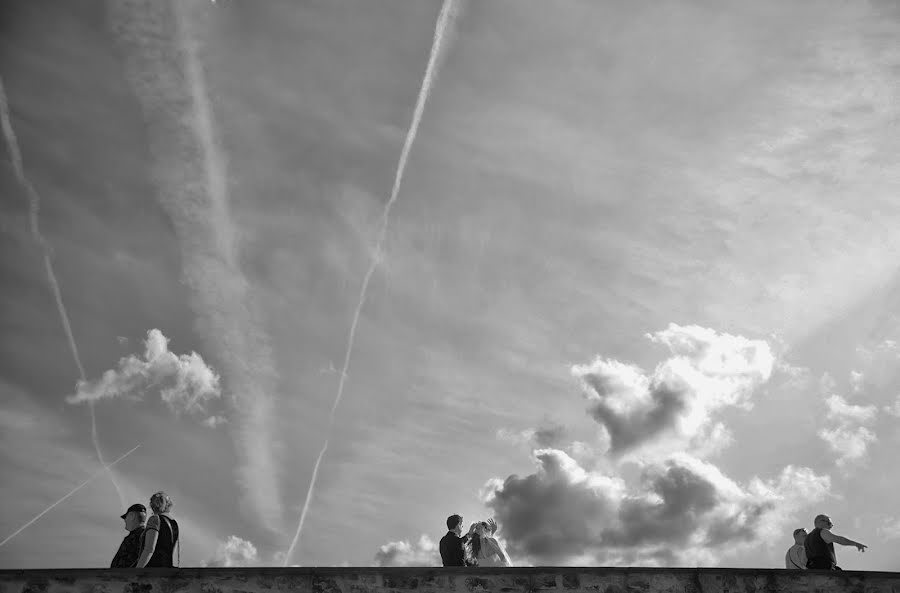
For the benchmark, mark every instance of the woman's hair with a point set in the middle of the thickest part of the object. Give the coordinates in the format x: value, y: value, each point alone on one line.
x: 476, y: 542
x: 160, y: 502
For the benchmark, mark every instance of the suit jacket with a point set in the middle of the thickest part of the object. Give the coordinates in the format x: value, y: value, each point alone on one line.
x: 452, y: 551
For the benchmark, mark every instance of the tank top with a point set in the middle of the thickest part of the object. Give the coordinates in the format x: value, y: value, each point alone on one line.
x: 816, y: 547
x: 165, y: 543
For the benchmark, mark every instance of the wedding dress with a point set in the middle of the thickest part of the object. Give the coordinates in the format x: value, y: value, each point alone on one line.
x: 492, y: 553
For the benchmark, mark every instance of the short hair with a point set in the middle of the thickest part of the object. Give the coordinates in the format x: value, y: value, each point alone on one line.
x: 798, y: 531
x: 821, y: 518
x: 160, y: 502
x: 453, y: 521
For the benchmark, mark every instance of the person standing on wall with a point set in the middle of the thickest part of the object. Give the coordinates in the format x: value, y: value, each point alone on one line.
x: 819, y: 545
x: 160, y: 536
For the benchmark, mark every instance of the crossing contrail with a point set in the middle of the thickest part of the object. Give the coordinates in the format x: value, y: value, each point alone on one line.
x: 447, y: 13
x: 34, y: 206
x: 73, y: 491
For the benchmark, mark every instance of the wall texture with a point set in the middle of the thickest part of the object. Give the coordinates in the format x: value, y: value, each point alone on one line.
x: 445, y: 580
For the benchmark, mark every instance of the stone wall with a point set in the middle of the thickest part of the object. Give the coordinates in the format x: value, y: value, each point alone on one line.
x: 445, y: 580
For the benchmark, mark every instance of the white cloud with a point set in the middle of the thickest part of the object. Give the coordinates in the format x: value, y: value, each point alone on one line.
x: 672, y: 406
x: 857, y: 381
x: 840, y: 411
x: 214, y: 421
x: 185, y: 382
x: 889, y: 529
x: 847, y: 433
x: 894, y: 408
x: 402, y: 553
x: 547, y: 435
x: 234, y: 551
x: 879, y: 368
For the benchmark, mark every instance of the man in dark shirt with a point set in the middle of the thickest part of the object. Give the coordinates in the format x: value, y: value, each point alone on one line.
x: 819, y: 545
x: 130, y: 548
x: 451, y: 546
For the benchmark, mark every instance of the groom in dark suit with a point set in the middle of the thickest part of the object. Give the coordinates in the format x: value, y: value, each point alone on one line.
x: 452, y: 551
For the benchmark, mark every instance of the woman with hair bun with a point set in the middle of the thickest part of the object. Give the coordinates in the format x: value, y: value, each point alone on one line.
x: 160, y: 536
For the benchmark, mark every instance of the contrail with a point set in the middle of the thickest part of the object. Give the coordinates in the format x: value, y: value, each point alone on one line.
x: 74, y: 490
x: 163, y: 43
x: 34, y: 205
x: 447, y: 13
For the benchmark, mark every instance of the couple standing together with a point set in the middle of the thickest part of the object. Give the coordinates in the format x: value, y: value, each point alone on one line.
x: 151, y: 542
x: 477, y: 548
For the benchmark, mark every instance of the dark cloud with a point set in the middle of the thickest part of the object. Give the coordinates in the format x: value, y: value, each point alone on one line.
x: 551, y: 514
x: 684, y: 497
x: 628, y: 430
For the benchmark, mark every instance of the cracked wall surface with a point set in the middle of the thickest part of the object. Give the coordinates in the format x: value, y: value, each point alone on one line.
x: 445, y: 580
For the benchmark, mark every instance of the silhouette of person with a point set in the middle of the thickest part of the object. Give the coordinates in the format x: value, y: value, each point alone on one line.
x: 160, y: 536
x: 820, y: 542
x: 130, y: 548
x: 452, y: 546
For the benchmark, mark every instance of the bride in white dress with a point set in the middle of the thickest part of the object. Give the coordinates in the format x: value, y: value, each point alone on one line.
x: 485, y: 548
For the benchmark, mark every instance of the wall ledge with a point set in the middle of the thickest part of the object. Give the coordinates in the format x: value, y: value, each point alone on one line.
x: 538, y: 579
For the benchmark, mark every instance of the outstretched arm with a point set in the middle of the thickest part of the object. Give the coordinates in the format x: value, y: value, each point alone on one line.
x: 497, y: 549
x: 832, y: 538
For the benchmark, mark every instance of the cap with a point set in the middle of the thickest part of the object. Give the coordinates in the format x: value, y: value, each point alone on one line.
x: 135, y: 507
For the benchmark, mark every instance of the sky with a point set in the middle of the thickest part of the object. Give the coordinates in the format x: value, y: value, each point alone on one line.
x: 637, y: 296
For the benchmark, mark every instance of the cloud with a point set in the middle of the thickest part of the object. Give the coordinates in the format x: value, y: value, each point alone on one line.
x: 402, y: 553
x: 680, y: 511
x: 214, y: 421
x: 857, y: 381
x: 547, y: 435
x: 705, y: 372
x: 847, y: 433
x: 894, y: 408
x: 185, y: 382
x: 653, y: 497
x: 234, y: 552
x: 878, y: 368
x: 890, y: 529
x: 553, y: 513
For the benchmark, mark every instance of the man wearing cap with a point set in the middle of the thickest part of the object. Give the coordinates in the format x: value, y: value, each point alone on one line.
x: 130, y: 548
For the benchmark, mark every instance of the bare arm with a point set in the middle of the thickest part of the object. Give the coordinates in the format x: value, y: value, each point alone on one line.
x: 150, y: 535
x: 831, y: 538
x: 500, y: 552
